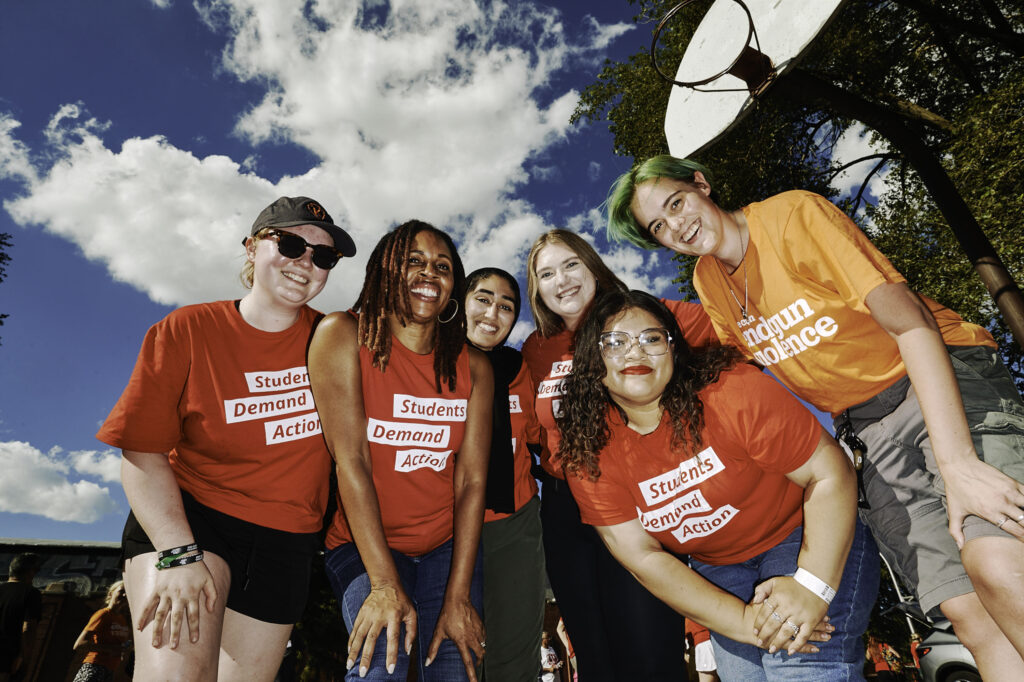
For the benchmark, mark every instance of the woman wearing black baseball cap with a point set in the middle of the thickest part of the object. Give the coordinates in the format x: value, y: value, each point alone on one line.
x: 223, y: 462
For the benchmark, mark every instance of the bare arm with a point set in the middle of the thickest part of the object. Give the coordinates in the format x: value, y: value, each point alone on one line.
x: 459, y: 621
x: 155, y: 498
x: 679, y: 586
x: 829, y: 509
x: 335, y: 380
x: 972, y: 487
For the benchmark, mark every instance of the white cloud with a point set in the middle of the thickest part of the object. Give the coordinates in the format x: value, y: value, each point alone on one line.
x: 435, y: 109
x: 14, y: 155
x: 856, y: 142
x: 105, y: 465
x: 36, y: 482
x: 594, y: 170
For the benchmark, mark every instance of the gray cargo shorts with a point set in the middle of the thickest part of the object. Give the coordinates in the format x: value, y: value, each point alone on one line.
x: 903, y: 484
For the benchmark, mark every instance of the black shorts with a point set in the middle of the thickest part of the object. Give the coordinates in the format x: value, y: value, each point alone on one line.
x: 269, y: 568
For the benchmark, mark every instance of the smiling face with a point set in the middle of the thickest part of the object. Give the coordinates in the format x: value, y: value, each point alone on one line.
x: 490, y: 312
x: 429, y: 276
x: 565, y: 284
x: 679, y: 215
x: 287, y: 282
x: 636, y: 380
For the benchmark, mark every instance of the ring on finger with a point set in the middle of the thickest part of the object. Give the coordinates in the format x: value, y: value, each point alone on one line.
x: 1000, y: 524
x: 793, y: 626
x: 1020, y: 519
x: 483, y: 645
x: 776, y: 616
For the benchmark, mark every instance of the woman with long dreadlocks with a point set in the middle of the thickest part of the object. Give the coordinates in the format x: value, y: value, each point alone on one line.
x: 406, y: 413
x: 676, y: 451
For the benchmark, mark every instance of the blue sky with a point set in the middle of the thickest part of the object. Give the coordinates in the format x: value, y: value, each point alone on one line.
x: 139, y: 139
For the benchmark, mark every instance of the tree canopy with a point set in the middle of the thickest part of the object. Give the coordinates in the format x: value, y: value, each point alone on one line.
x: 952, y: 72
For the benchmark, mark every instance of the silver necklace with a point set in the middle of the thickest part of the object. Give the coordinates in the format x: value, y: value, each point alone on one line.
x: 746, y: 300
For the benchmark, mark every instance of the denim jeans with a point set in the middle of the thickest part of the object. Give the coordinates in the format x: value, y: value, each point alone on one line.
x: 424, y: 578
x: 842, y: 657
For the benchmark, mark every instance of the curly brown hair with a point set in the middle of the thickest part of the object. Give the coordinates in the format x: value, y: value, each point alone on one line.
x: 385, y: 292
x: 583, y: 423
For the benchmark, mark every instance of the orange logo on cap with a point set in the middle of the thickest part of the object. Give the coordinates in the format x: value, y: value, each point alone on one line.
x: 316, y: 210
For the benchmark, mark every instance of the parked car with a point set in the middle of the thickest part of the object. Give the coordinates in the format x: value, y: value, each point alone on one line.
x: 943, y: 658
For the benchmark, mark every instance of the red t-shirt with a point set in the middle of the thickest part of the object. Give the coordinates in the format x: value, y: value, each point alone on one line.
x: 232, y: 406
x: 725, y: 504
x: 550, y: 361
x: 414, y: 434
x: 107, y: 627
x: 525, y: 429
x: 697, y: 631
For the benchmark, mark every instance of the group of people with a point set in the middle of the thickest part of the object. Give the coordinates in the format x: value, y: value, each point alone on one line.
x: 677, y: 479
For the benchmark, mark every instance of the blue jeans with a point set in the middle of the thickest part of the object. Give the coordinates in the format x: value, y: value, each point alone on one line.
x: 842, y: 657
x: 424, y: 579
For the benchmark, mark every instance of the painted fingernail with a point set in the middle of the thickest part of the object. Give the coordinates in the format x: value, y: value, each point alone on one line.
x: 760, y: 642
x: 772, y: 649
x: 349, y: 663
x: 391, y: 669
x: 363, y: 670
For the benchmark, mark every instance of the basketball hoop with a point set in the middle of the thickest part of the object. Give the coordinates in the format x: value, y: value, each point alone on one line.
x: 778, y: 33
x: 751, y: 65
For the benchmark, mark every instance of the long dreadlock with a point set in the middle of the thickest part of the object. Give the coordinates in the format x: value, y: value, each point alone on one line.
x: 385, y: 292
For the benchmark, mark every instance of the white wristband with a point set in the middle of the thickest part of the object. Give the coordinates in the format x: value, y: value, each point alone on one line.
x: 815, y: 584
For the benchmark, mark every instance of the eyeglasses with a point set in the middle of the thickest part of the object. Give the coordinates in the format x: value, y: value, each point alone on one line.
x: 655, y: 341
x: 291, y: 245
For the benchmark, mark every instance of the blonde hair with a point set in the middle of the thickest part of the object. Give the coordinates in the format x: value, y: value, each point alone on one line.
x: 249, y: 267
x: 549, y: 323
x: 112, y: 590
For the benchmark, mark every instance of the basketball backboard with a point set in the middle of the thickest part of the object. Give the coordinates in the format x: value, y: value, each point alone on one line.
x: 784, y: 29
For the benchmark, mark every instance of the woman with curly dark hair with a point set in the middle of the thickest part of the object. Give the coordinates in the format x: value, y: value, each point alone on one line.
x: 406, y: 412
x: 619, y: 630
x: 675, y: 451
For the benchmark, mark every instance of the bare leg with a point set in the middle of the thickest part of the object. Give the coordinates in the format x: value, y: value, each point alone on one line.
x: 996, y: 568
x: 992, y: 651
x: 251, y: 650
x: 188, y: 662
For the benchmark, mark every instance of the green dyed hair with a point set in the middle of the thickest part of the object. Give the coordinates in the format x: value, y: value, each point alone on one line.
x: 622, y: 225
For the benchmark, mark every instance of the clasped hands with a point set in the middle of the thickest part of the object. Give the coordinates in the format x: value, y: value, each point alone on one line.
x: 786, y: 615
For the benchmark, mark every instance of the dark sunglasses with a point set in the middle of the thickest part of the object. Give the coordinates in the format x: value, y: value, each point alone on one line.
x: 293, y: 246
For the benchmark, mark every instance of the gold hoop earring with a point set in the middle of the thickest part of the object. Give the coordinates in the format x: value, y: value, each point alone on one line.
x: 454, y: 312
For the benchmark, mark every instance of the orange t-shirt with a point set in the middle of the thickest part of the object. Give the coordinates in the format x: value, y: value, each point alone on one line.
x: 724, y: 504
x: 107, y: 627
x: 806, y: 275
x: 525, y: 429
x: 232, y: 406
x: 414, y: 435
x: 550, y: 361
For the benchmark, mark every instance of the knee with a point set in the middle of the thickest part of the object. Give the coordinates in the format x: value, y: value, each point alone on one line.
x: 973, y: 625
x: 995, y: 566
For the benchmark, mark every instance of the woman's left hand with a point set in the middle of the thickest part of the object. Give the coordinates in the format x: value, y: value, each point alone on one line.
x: 460, y: 623
x: 789, y: 613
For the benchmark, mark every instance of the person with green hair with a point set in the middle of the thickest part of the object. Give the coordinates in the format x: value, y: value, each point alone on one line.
x: 797, y: 287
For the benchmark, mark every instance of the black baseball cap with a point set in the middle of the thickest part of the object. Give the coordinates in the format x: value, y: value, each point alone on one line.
x: 294, y: 211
